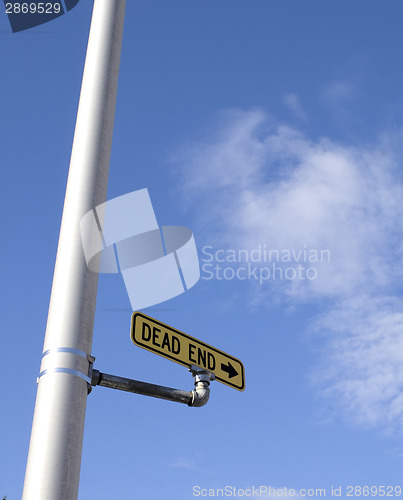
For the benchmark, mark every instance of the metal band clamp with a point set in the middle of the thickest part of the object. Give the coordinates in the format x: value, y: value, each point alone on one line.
x: 71, y: 371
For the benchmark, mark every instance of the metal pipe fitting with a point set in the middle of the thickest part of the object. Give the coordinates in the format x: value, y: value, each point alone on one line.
x: 198, y: 397
x: 201, y: 394
x: 202, y: 379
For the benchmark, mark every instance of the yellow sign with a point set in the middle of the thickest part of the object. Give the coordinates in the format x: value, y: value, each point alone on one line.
x: 177, y: 346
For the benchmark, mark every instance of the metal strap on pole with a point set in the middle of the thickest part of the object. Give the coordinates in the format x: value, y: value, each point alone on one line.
x: 55, y: 358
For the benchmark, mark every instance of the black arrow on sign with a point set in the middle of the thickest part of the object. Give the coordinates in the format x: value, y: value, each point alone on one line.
x: 229, y: 369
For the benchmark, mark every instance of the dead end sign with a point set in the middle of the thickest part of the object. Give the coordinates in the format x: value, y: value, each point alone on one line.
x: 150, y: 334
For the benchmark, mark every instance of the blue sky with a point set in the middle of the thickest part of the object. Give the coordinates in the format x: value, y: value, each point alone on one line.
x: 258, y: 124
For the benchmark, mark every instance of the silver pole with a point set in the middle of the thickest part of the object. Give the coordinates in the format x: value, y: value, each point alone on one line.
x: 54, y: 458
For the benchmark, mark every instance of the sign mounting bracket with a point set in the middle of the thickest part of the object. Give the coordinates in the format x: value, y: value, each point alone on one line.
x: 198, y: 397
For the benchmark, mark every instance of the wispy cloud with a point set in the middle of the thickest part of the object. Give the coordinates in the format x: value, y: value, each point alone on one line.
x: 338, y: 92
x: 362, y: 367
x: 266, y: 183
x: 293, y: 102
x: 281, y: 189
x: 337, y: 97
x: 187, y: 463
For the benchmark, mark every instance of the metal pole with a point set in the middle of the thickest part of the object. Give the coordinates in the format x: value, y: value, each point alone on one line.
x: 54, y: 458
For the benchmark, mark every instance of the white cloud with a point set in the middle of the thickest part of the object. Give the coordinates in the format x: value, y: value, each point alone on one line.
x: 293, y: 102
x: 337, y: 97
x: 362, y: 367
x: 338, y: 94
x: 186, y: 463
x: 339, y: 91
x: 285, y: 191
x: 265, y: 183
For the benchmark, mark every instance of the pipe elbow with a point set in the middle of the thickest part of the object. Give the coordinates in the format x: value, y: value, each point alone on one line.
x: 200, y: 395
